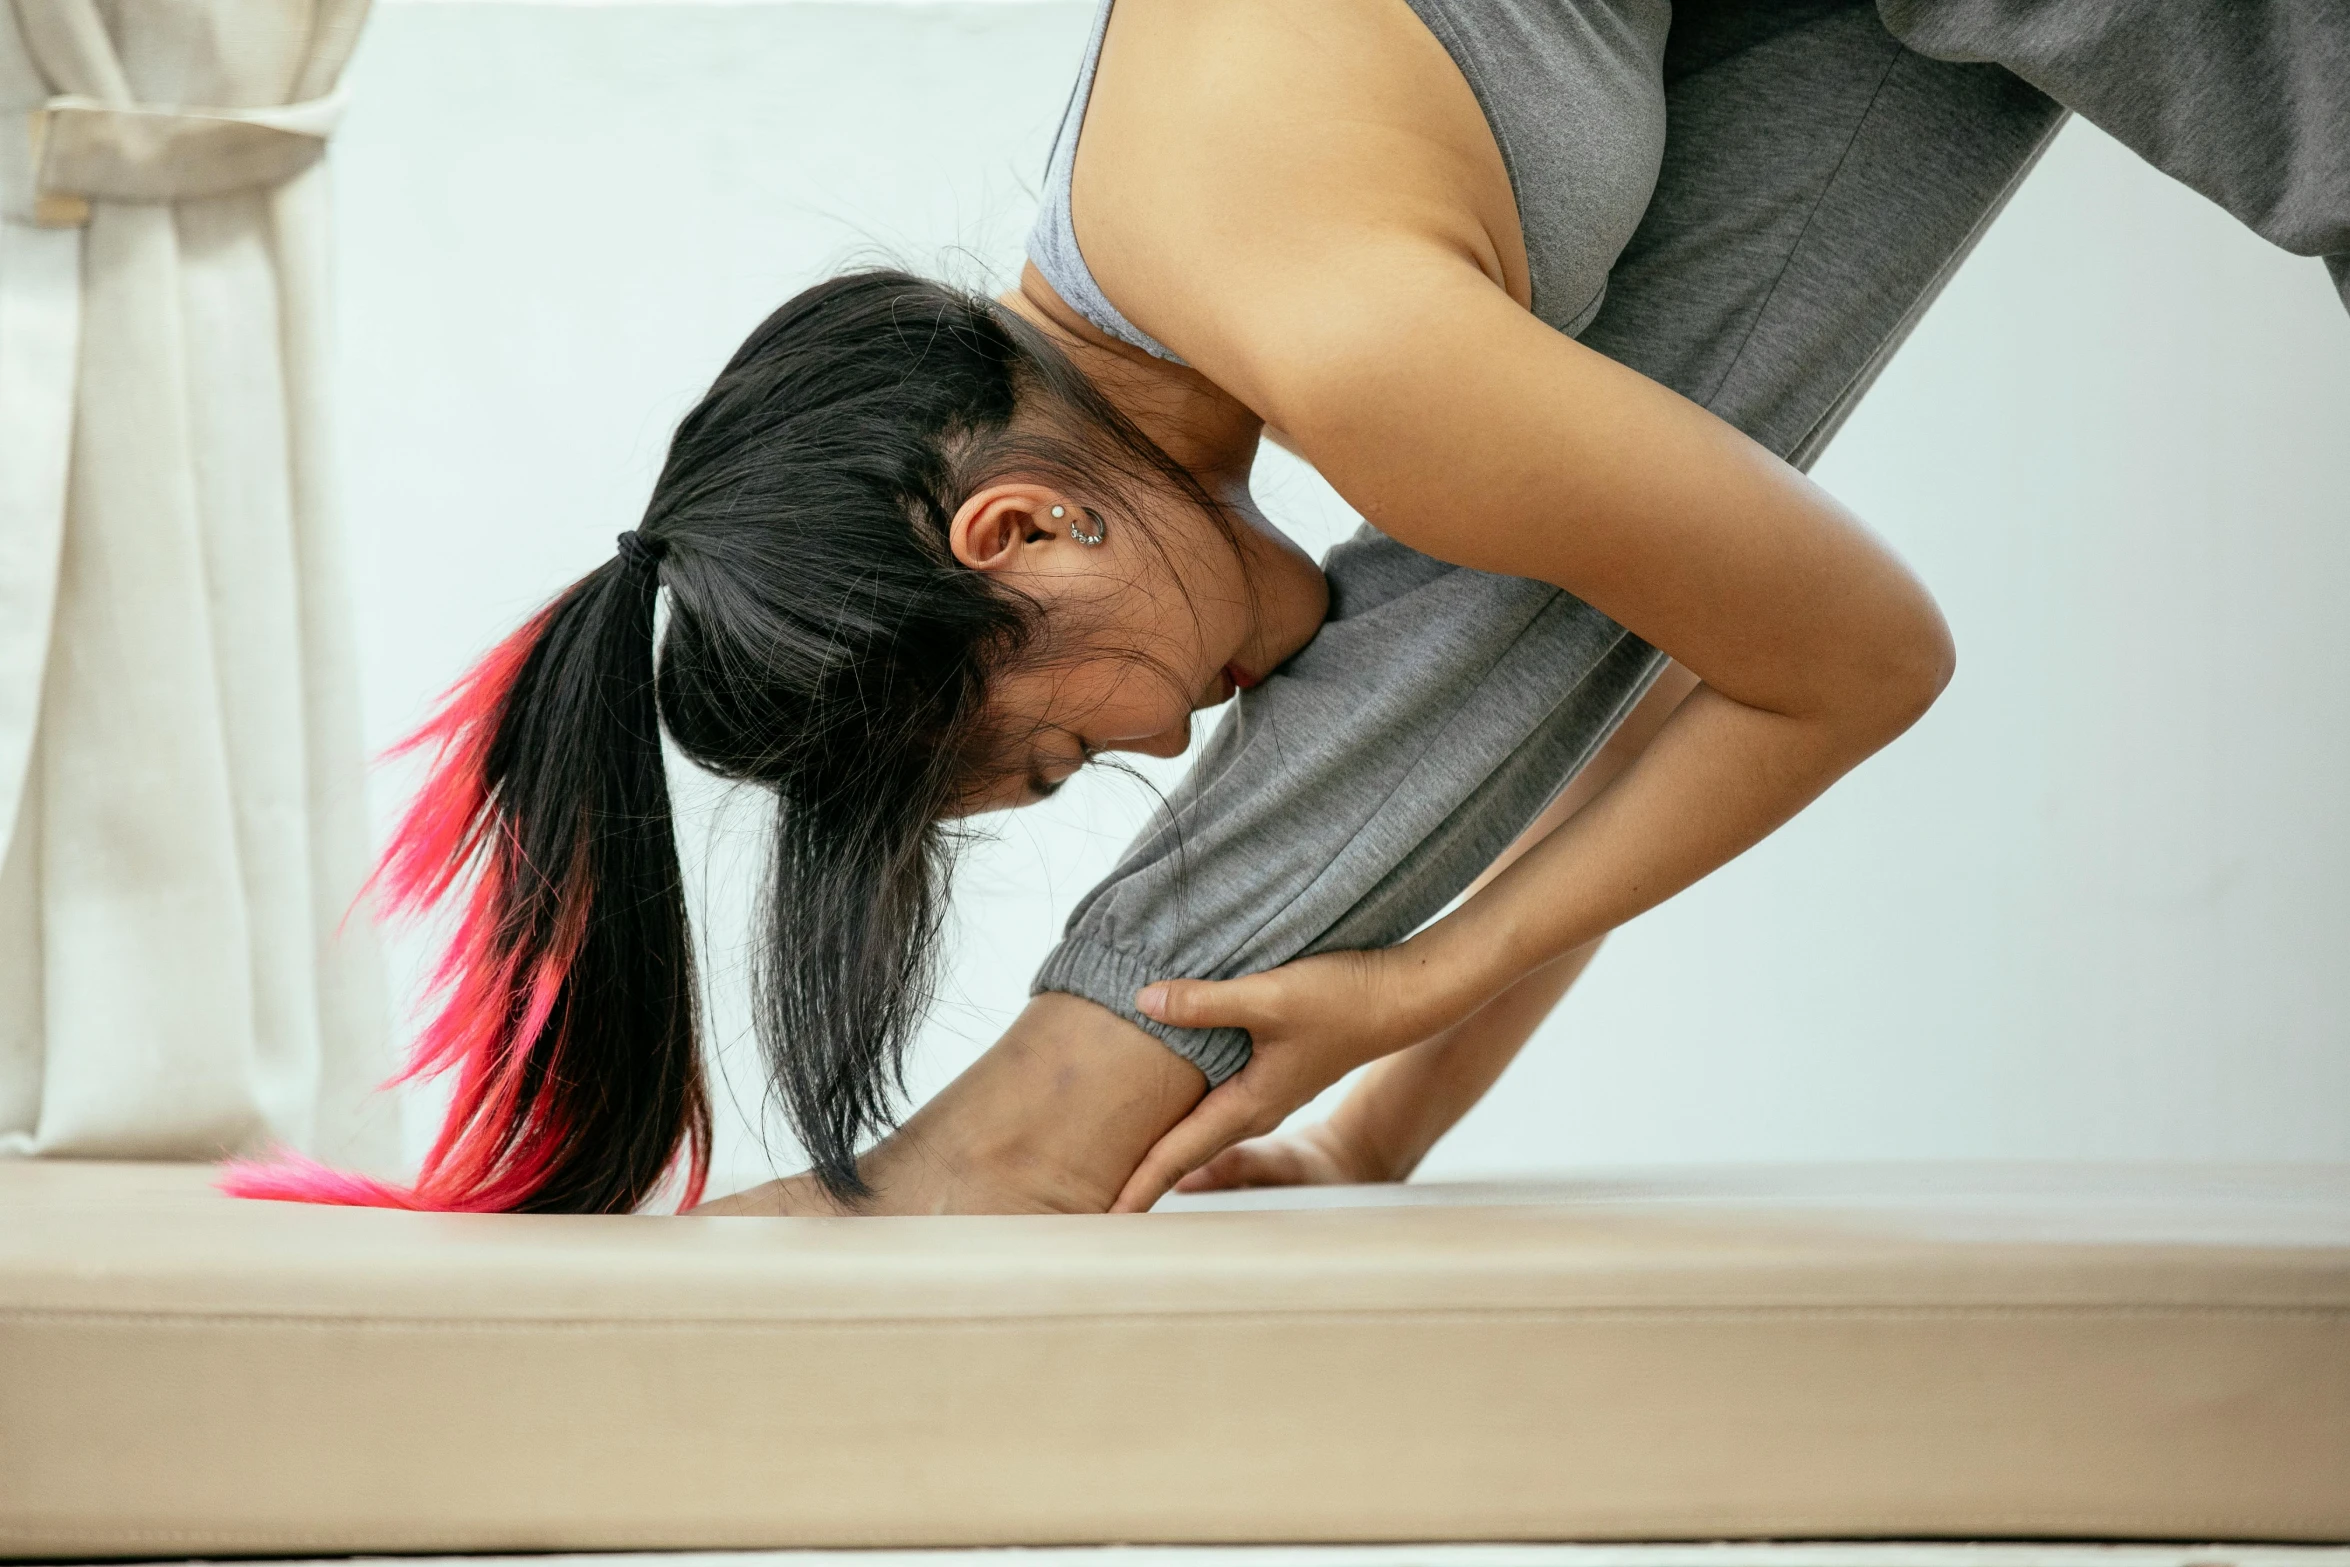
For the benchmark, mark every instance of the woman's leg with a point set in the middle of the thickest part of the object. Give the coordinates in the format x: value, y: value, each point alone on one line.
x: 1406, y: 1102
x: 1820, y: 184
x: 2246, y: 102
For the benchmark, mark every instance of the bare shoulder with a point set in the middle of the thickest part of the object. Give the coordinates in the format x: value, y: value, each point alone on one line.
x: 1230, y: 144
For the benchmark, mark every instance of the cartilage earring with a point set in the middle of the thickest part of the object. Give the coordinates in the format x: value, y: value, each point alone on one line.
x: 1100, y: 531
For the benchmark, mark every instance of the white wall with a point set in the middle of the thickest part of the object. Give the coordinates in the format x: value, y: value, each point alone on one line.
x: 2092, y: 907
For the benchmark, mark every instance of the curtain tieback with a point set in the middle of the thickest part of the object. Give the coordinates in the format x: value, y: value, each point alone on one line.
x: 85, y: 150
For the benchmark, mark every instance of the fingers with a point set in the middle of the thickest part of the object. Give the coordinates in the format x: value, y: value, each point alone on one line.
x: 1207, y: 1003
x: 1228, y: 1114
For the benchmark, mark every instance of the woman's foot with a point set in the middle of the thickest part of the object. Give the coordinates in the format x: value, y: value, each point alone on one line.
x: 1052, y: 1119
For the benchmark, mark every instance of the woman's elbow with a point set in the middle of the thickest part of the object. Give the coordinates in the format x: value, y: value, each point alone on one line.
x: 1913, y: 667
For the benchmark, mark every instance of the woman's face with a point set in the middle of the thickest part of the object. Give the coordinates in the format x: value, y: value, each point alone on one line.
x: 1167, y: 615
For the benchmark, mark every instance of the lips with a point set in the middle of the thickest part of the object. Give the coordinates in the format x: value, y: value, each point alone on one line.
x: 1231, y: 680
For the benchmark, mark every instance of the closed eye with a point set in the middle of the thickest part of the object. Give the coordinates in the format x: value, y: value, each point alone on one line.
x: 1041, y: 787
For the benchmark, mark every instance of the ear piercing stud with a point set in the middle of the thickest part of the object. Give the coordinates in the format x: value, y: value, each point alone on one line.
x: 1100, y: 529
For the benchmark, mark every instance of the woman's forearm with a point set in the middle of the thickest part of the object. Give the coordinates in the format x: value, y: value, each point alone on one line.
x: 1719, y: 778
x: 1406, y: 1102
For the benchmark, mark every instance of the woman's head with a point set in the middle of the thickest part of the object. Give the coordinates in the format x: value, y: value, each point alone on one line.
x: 885, y: 609
x: 1152, y: 607
x: 914, y: 492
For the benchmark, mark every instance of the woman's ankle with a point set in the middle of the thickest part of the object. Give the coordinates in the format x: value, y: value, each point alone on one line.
x: 1052, y: 1119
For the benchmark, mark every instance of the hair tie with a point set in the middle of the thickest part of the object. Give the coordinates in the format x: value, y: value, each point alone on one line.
x: 639, y: 553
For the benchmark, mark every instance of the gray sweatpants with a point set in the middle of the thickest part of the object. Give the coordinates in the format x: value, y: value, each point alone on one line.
x: 1821, y: 181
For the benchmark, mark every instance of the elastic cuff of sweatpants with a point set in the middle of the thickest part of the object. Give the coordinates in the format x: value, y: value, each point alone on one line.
x: 1109, y: 977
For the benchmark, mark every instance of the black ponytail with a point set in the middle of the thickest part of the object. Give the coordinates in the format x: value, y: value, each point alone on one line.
x: 567, y: 999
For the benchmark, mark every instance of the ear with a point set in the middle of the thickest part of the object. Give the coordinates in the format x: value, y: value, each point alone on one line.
x: 991, y: 530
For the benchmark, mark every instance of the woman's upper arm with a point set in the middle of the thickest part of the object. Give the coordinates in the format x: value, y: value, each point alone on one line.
x: 1465, y: 427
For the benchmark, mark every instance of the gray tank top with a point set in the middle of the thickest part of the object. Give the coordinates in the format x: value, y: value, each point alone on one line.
x: 1574, y: 93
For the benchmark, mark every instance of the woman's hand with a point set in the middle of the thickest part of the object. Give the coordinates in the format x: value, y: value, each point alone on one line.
x: 1310, y: 1023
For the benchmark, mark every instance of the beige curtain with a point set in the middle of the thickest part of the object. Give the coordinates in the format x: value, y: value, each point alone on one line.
x: 179, y: 741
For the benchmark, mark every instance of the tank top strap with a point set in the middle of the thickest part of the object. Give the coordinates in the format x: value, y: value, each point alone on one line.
x: 1052, y: 243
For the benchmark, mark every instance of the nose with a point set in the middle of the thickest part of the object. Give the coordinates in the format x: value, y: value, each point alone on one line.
x: 1167, y: 742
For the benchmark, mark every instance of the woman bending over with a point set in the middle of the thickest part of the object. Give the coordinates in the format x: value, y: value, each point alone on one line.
x: 926, y: 554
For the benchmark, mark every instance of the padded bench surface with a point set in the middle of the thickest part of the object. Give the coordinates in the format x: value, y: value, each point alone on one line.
x: 2104, y: 1352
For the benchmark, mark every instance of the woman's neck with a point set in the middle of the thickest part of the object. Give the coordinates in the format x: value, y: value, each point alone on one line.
x: 1194, y: 421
